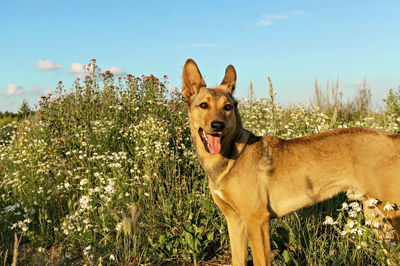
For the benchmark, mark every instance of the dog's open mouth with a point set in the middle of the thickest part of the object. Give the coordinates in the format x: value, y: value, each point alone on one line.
x: 212, y: 142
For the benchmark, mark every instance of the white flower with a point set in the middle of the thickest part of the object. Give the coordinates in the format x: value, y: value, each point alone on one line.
x: 389, y: 207
x: 109, y: 189
x: 83, y: 182
x: 350, y: 223
x: 84, y: 200
x: 372, y: 202
x: 118, y: 226
x: 345, y: 206
x: 354, y: 204
x: 112, y: 257
x: 353, y: 214
x: 329, y: 221
x: 345, y: 231
x: 376, y: 222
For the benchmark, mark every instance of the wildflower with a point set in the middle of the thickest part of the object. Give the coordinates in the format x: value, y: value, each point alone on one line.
x: 389, y: 207
x: 354, y: 204
x: 345, y: 231
x: 350, y: 223
x: 353, y: 214
x: 372, y: 202
x: 87, y: 250
x: 109, y: 189
x: 118, y: 226
x: 329, y: 221
x: 66, y: 231
x: 83, y: 182
x: 345, y: 206
x: 112, y: 257
x: 359, y: 230
x: 84, y: 200
x: 376, y: 222
x: 40, y: 249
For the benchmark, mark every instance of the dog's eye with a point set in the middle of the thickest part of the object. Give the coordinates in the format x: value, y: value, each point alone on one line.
x: 228, y: 107
x: 204, y: 105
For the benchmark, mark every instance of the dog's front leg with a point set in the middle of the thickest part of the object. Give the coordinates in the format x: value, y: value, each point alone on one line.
x: 238, y: 239
x: 258, y: 233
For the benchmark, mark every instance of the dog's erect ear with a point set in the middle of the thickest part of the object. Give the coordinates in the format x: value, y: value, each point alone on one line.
x: 192, y: 80
x: 230, y: 78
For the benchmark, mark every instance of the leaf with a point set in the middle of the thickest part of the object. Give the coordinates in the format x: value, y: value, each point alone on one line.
x: 286, y: 256
x: 210, y: 236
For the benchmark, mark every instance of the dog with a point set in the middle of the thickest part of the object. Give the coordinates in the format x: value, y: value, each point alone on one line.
x: 253, y: 179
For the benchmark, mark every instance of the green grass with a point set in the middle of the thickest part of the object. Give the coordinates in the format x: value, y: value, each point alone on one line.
x: 106, y: 172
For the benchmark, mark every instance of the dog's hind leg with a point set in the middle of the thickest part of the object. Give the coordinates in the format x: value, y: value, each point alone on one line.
x: 381, y: 221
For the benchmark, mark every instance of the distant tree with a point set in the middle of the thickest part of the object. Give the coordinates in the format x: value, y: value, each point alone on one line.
x: 392, y: 101
x: 24, y: 110
x: 362, y: 103
x: 8, y: 114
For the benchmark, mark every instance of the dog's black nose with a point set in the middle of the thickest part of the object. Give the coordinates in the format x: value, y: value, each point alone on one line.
x: 217, y: 126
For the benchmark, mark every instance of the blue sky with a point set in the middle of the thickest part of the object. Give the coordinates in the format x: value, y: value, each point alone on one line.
x: 293, y: 42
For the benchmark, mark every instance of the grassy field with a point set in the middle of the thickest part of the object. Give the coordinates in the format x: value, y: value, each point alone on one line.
x: 105, y: 173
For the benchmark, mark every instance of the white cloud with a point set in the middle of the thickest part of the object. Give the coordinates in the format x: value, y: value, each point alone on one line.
x: 358, y: 83
x: 47, y: 92
x: 363, y: 83
x: 36, y: 89
x: 47, y: 65
x: 39, y: 90
x: 115, y: 71
x: 298, y: 12
x: 78, y: 69
x: 268, y: 19
x: 13, y: 89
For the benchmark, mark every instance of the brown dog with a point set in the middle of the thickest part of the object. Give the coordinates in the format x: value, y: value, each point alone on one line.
x: 253, y: 179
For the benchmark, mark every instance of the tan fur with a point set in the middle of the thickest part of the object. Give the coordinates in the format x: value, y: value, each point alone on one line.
x: 254, y: 179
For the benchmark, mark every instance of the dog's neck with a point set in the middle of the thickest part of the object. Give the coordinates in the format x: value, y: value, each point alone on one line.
x: 219, y: 165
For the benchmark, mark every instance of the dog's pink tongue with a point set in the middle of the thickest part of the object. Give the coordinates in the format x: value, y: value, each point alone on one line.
x: 214, y: 144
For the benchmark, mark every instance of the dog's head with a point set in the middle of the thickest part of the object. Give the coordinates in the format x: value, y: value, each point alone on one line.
x: 214, y: 119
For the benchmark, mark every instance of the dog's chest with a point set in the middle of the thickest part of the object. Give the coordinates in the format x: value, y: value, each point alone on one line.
x: 219, y: 194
